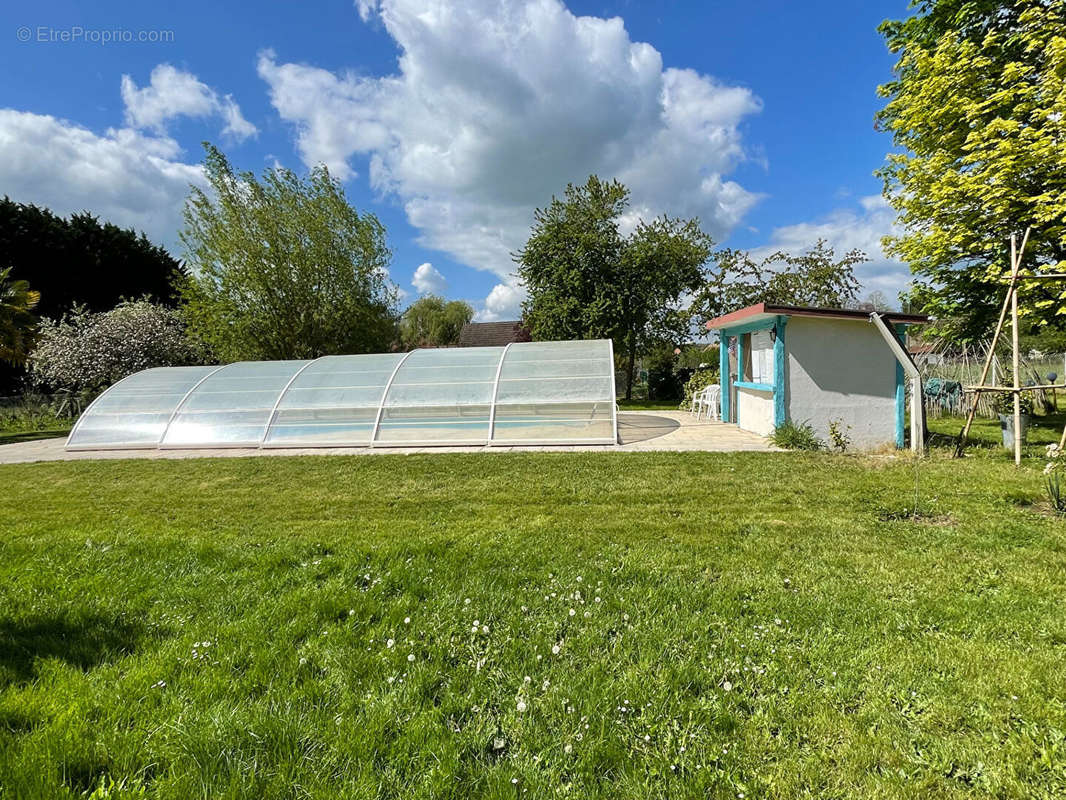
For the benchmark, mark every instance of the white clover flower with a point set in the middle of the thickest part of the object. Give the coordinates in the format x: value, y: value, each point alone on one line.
x: 572, y: 612
x: 527, y: 679
x: 555, y: 649
x: 579, y: 579
x: 410, y: 656
x: 406, y: 620
x: 390, y: 643
x: 727, y: 686
x: 568, y: 749
x: 303, y: 661
x: 521, y: 706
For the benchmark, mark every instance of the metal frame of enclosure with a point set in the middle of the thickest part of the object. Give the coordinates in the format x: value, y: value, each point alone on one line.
x: 527, y: 393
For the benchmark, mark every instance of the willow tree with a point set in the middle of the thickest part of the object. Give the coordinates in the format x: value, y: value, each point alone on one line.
x: 978, y: 110
x: 283, y: 267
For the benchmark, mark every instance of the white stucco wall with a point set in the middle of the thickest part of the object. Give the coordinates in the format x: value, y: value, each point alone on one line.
x: 841, y: 369
x: 755, y: 411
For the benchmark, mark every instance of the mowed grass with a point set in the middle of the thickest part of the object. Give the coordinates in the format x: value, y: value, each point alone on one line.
x: 531, y: 625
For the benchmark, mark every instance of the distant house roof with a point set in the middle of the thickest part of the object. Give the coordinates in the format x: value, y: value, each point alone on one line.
x: 765, y: 311
x: 493, y: 334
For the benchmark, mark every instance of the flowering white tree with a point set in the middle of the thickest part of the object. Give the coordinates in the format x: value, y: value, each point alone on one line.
x: 87, y: 351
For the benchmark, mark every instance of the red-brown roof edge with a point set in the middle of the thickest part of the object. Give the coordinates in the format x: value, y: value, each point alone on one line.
x: 740, y: 315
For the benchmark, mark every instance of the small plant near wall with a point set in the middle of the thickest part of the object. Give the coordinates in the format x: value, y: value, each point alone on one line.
x: 838, y: 435
x: 1053, y: 478
x: 796, y: 436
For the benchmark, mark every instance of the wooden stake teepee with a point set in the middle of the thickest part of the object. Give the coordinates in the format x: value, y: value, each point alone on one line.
x: 1009, y: 302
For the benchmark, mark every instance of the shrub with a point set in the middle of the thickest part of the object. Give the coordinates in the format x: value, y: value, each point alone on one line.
x: 85, y: 352
x: 1053, y: 479
x: 796, y: 436
x: 1004, y: 403
x: 700, y: 380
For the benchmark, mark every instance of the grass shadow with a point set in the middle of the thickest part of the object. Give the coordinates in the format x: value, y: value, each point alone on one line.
x: 31, y: 436
x: 82, y: 642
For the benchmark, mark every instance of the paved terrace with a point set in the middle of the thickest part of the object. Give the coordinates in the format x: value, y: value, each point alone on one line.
x: 640, y: 431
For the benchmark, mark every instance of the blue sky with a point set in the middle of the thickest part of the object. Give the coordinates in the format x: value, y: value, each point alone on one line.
x: 451, y: 120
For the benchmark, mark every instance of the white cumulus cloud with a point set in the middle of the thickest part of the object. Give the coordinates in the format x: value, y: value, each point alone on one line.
x: 496, y: 106
x: 503, y: 303
x: 428, y: 280
x: 121, y: 176
x: 171, y: 93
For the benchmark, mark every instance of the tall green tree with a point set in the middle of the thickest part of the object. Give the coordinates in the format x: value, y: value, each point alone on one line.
x: 585, y: 280
x: 283, y: 267
x: 978, y: 110
x: 17, y: 322
x: 78, y: 260
x: 816, y: 277
x: 431, y: 321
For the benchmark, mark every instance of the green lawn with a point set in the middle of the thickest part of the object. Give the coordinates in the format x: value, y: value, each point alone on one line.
x: 647, y: 625
x: 986, y: 438
x: 649, y: 405
x: 20, y: 426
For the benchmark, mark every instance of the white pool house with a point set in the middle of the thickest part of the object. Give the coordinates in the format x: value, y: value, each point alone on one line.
x: 528, y: 393
x: 816, y: 366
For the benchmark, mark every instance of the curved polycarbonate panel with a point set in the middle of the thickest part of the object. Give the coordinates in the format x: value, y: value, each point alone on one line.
x: 135, y: 411
x: 231, y: 407
x: 441, y: 396
x: 556, y: 391
x: 333, y: 402
x: 527, y: 393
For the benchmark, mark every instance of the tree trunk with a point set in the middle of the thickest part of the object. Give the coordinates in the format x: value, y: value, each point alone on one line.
x: 630, y: 369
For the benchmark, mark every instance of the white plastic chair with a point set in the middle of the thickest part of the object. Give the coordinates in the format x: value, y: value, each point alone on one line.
x: 709, y: 402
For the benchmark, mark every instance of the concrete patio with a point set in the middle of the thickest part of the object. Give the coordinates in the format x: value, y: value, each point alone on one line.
x: 640, y: 431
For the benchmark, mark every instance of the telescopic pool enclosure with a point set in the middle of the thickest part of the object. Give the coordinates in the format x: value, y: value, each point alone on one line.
x: 529, y: 393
